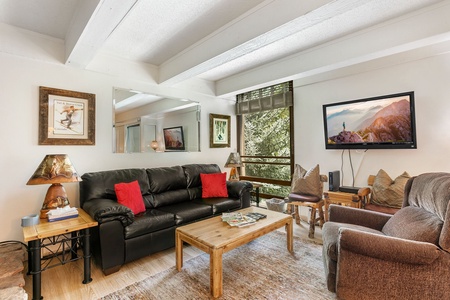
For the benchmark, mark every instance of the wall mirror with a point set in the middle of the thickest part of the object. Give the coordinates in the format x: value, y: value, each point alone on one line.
x: 144, y: 122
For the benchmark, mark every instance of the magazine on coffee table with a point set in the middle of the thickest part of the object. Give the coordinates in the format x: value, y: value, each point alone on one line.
x: 239, y: 220
x: 256, y: 216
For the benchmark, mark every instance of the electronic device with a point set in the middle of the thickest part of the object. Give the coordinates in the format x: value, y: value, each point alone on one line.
x: 334, y: 179
x: 349, y: 189
x: 383, y: 122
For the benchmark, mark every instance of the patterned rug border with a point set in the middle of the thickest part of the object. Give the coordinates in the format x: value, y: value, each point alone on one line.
x: 298, y: 276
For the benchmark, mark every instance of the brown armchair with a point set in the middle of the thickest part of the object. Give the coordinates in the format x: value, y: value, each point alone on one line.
x: 371, y: 255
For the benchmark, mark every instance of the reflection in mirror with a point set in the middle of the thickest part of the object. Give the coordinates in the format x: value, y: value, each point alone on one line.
x: 139, y: 120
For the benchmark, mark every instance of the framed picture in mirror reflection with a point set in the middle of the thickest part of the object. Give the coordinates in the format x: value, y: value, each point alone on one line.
x: 174, y: 138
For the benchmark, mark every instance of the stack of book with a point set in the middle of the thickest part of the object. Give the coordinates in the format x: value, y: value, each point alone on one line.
x: 59, y: 214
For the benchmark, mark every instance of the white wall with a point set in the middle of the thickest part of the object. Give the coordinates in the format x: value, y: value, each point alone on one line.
x: 428, y: 78
x: 20, y: 153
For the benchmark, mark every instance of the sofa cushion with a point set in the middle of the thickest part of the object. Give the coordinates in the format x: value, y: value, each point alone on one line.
x: 187, y: 212
x: 214, y: 185
x: 170, y: 198
x: 166, y: 179
x: 151, y: 220
x: 220, y: 205
x: 307, y: 182
x: 438, y: 186
x: 192, y: 173
x: 167, y: 186
x: 414, y: 223
x: 388, y: 192
x: 303, y: 198
x: 98, y: 185
x: 129, y: 194
x: 193, y: 180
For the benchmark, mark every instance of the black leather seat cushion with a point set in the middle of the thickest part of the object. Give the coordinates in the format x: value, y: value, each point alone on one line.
x: 219, y: 205
x: 187, y: 212
x: 303, y: 198
x: 149, y: 221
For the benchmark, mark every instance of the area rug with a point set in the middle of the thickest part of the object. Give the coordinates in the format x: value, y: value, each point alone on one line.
x: 261, y: 269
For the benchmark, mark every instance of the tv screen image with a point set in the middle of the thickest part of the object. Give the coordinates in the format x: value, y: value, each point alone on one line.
x: 382, y: 122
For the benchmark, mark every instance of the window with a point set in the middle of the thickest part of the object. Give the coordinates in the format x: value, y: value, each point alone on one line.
x: 133, y: 138
x: 265, y: 138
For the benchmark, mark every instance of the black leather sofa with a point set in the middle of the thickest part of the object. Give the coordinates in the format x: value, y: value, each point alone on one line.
x: 172, y: 197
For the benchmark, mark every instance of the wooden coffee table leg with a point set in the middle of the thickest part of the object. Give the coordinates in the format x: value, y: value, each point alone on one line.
x: 215, y: 270
x: 178, y: 251
x: 289, y: 236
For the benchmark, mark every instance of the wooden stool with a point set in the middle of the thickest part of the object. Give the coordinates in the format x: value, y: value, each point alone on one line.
x: 315, y: 204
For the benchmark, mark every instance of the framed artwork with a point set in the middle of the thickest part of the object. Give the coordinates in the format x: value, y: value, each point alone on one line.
x: 66, y: 117
x: 219, y: 131
x: 174, y: 138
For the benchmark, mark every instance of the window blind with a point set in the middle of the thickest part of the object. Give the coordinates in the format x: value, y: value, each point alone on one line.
x: 267, y: 98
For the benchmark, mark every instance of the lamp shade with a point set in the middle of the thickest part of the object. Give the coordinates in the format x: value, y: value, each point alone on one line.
x: 54, y: 169
x: 234, y: 160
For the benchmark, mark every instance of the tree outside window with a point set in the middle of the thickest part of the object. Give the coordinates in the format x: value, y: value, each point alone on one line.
x: 265, y: 144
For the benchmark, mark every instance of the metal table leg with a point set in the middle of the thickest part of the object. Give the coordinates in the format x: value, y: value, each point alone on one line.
x: 257, y: 196
x: 86, y: 256
x: 34, y: 265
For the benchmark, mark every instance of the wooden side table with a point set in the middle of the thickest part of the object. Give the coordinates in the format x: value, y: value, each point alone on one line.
x: 68, y: 235
x: 347, y: 199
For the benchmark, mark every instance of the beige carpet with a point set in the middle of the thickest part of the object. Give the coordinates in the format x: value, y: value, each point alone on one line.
x: 262, y: 269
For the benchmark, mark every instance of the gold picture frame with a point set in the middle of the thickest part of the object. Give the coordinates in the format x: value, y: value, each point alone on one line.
x: 219, y: 131
x: 66, y: 117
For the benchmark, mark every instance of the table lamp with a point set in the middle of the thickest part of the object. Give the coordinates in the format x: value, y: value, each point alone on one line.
x: 233, y: 161
x: 54, y: 169
x: 154, y: 145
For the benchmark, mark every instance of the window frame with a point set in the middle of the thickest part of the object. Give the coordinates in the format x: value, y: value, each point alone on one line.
x: 240, y: 145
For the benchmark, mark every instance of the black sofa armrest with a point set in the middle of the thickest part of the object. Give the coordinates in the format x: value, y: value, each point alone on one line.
x: 240, y: 190
x: 103, y: 210
x: 237, y: 188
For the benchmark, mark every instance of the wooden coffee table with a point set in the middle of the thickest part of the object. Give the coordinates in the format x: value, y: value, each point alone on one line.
x: 216, y: 237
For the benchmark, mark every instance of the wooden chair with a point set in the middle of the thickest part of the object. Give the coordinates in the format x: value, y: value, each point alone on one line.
x: 313, y: 202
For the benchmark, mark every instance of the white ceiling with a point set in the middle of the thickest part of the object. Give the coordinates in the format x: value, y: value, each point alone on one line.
x: 208, y: 39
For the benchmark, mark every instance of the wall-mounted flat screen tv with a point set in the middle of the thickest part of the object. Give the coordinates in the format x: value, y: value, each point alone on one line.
x: 382, y: 122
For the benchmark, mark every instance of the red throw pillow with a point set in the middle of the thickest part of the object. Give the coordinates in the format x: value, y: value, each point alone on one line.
x: 214, y: 185
x: 129, y: 194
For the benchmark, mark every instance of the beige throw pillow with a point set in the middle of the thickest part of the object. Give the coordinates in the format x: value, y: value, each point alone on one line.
x: 306, y: 182
x: 388, y: 192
